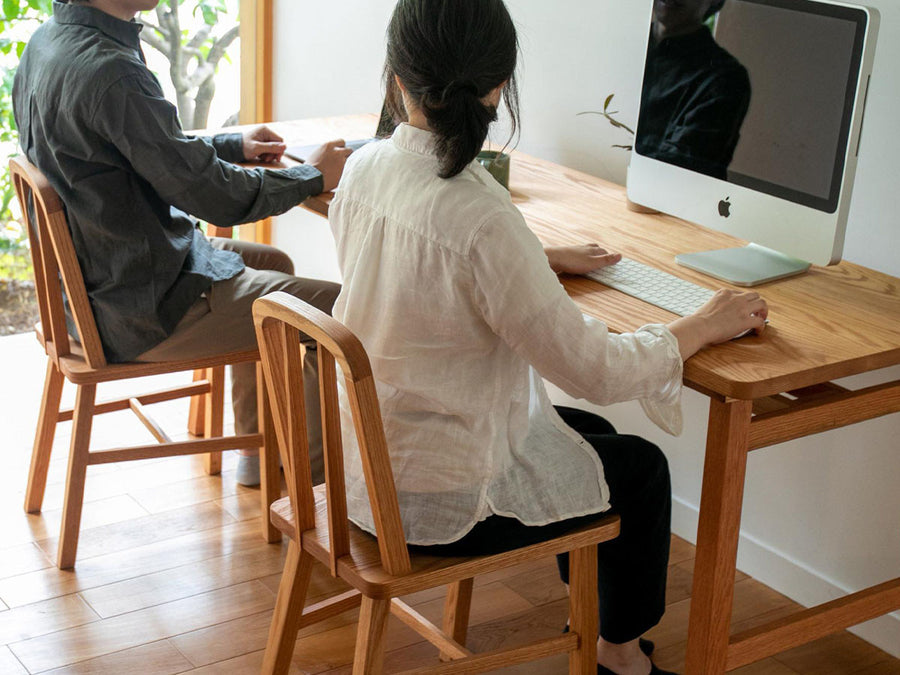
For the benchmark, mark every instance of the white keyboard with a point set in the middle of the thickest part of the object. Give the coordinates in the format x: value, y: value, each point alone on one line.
x: 654, y: 286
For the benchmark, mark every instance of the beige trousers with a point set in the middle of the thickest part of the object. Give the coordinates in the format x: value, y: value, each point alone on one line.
x: 221, y: 321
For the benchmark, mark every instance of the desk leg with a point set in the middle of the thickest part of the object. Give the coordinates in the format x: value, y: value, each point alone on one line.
x: 717, y: 536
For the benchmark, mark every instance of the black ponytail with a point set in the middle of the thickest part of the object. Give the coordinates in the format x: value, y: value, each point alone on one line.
x: 450, y: 54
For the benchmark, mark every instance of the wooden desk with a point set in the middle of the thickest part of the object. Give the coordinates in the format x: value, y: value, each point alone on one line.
x: 827, y: 324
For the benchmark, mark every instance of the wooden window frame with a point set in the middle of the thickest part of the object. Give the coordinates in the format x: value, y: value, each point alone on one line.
x: 257, y: 54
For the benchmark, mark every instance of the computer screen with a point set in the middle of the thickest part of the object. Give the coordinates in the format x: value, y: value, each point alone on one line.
x: 750, y: 118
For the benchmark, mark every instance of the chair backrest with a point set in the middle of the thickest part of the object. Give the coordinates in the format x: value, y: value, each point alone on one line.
x: 53, y: 256
x: 279, y: 319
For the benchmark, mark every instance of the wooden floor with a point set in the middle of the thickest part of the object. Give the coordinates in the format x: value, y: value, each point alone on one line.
x: 173, y: 575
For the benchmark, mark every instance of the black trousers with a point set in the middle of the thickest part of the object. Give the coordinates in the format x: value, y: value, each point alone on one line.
x: 632, y: 567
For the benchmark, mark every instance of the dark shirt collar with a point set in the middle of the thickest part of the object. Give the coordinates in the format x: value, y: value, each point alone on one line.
x: 126, y: 32
x: 683, y: 44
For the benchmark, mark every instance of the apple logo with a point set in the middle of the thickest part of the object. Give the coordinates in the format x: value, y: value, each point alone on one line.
x: 725, y: 207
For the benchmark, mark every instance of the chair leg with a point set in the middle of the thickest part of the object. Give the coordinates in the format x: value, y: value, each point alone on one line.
x: 368, y: 658
x: 584, y: 609
x: 196, y: 422
x: 213, y: 416
x: 43, y: 438
x: 456, y: 612
x: 78, y: 462
x: 288, y: 610
x: 270, y: 475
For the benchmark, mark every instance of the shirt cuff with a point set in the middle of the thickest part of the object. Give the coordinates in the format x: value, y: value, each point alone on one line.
x: 229, y: 147
x: 664, y: 407
x: 313, y: 182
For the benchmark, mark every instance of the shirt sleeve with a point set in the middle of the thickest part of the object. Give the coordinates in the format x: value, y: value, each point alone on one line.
x: 524, y: 303
x: 187, y: 172
x: 229, y: 146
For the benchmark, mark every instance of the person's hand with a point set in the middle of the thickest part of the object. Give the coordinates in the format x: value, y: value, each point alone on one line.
x: 727, y: 314
x: 329, y: 159
x: 579, y: 259
x: 261, y: 144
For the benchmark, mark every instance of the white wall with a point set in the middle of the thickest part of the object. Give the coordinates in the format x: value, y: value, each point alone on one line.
x: 822, y: 514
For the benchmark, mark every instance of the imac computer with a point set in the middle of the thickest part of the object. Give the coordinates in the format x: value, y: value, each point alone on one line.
x: 750, y: 120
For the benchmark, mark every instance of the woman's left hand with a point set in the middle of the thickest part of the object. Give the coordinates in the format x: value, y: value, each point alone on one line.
x: 579, y: 259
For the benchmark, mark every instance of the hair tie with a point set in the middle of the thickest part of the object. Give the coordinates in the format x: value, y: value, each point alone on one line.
x: 459, y: 86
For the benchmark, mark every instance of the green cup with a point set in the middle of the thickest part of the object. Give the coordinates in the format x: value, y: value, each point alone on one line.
x: 497, y: 164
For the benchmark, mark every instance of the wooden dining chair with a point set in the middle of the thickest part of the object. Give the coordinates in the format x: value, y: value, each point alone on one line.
x: 81, y: 361
x: 379, y: 570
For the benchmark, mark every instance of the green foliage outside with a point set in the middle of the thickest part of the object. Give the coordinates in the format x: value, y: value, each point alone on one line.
x: 17, y: 22
x: 193, y: 56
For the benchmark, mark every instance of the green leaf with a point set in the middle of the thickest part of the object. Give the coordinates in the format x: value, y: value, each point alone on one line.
x: 20, y: 47
x: 210, y: 10
x: 11, y: 9
x: 210, y: 16
x: 607, y: 102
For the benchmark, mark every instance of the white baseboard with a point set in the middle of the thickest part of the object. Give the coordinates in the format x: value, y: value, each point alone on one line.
x: 790, y: 577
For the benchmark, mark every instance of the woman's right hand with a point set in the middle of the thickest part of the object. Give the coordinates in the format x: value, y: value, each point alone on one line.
x: 727, y: 314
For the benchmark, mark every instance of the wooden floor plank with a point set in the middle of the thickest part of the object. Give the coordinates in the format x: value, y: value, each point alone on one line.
x: 136, y: 628
x: 489, y: 603
x: 40, y: 618
x: 884, y: 668
x: 184, y: 581
x: 93, y: 572
x: 834, y: 655
x: 22, y: 559
x: 21, y: 527
x: 765, y: 667
x: 9, y: 664
x: 179, y: 494
x: 156, y: 658
x: 137, y: 532
x: 322, y: 652
x: 243, y: 505
x: 227, y: 640
x: 239, y: 665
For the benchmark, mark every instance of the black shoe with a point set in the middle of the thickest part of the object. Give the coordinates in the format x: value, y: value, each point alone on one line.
x: 645, y: 646
x: 603, y: 670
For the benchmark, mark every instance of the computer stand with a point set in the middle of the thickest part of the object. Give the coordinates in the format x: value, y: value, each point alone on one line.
x: 748, y: 265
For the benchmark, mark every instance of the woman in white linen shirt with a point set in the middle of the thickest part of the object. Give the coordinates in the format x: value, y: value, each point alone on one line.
x: 461, y: 315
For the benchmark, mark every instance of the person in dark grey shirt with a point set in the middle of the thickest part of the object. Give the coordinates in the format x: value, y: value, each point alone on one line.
x: 695, y: 94
x: 94, y: 120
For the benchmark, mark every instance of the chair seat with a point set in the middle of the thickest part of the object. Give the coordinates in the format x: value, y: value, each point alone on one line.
x: 76, y: 369
x: 362, y: 567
